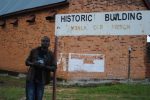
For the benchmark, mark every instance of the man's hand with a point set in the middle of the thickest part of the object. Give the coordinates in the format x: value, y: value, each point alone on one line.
x: 51, y: 68
x: 39, y: 64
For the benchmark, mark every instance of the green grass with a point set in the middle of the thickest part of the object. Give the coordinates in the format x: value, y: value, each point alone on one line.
x: 14, y: 89
x: 117, y: 92
x: 11, y: 88
x: 11, y: 93
x: 103, y: 92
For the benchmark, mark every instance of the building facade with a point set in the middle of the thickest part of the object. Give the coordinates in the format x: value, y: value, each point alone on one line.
x: 111, y: 50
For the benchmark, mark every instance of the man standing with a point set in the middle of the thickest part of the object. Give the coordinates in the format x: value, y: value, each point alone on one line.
x: 41, y: 62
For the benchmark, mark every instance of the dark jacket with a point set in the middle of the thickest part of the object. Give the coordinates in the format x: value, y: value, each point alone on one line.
x: 50, y: 65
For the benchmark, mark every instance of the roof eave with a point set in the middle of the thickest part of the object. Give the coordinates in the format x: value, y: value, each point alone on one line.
x: 35, y: 9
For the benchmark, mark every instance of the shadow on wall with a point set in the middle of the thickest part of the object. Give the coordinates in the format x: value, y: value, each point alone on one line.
x: 147, y: 61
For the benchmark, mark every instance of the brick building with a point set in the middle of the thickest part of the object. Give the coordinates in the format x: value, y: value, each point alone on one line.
x: 22, y: 29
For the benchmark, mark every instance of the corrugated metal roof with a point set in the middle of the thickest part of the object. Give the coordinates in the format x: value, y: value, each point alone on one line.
x: 11, y: 6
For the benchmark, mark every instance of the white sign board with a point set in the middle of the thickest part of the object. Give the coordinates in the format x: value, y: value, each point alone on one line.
x: 86, y: 62
x: 103, y: 23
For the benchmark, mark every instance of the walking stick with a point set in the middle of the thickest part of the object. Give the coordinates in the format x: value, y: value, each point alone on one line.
x: 54, y: 86
x: 54, y: 73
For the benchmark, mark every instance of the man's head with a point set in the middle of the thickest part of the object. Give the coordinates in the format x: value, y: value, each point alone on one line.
x: 45, y: 42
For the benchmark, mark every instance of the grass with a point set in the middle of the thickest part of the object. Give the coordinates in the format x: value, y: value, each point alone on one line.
x: 11, y: 93
x: 14, y: 89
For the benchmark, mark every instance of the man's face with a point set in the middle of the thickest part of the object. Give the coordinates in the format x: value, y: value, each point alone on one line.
x: 45, y: 43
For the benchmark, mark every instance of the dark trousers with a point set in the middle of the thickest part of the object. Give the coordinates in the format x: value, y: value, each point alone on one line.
x: 34, y: 90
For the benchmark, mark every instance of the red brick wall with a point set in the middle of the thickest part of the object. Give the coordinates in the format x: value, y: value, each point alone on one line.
x: 115, y: 48
x: 16, y: 42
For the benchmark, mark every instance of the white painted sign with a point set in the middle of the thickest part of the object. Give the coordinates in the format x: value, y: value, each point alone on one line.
x: 86, y: 62
x: 148, y: 38
x: 103, y: 23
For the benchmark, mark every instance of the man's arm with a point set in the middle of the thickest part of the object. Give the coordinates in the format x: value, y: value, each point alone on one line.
x: 28, y: 61
x: 51, y: 68
x: 52, y: 64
